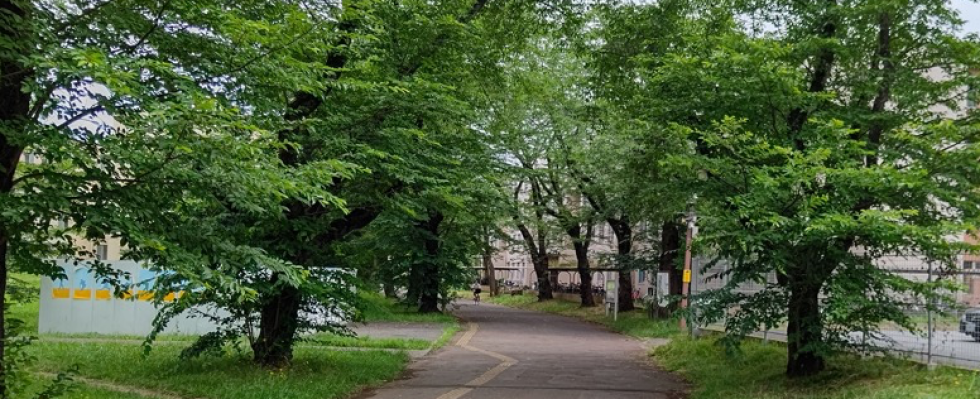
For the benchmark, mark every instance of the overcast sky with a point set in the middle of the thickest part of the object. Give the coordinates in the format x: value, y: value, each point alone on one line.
x: 970, y: 12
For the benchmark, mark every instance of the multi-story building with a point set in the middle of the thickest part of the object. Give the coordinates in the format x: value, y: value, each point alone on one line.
x: 108, y: 249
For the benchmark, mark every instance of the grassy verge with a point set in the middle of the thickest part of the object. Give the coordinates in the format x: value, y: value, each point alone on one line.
x: 634, y: 323
x: 378, y: 308
x: 315, y: 373
x: 369, y: 342
x: 757, y: 373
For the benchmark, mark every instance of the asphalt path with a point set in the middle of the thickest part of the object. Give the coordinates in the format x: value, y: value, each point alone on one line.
x: 505, y: 353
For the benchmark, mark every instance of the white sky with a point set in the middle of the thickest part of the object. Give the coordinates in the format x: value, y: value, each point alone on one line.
x: 970, y: 12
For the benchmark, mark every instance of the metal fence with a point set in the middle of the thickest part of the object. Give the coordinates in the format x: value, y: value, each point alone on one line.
x: 950, y: 336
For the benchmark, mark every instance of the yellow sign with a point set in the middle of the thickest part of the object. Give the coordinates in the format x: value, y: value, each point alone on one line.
x: 687, y: 276
x: 83, y: 294
x: 60, y: 293
x: 103, y: 295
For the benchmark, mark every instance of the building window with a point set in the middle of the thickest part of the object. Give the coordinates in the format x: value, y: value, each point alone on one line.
x: 643, y: 275
x: 102, y: 252
x: 30, y: 158
x: 968, y: 265
x: 649, y: 291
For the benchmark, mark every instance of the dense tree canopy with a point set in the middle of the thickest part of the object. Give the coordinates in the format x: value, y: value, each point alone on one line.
x: 249, y: 149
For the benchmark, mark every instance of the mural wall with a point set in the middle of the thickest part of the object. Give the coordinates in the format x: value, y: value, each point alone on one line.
x: 80, y: 304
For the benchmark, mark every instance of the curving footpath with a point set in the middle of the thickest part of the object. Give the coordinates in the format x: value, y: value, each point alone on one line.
x: 507, y: 353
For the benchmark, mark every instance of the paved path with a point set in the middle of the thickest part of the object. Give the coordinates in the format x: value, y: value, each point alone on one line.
x: 506, y: 353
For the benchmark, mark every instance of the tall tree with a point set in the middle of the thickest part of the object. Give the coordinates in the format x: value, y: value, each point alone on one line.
x: 836, y: 137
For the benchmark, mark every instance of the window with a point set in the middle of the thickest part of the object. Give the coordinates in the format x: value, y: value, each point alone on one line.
x: 102, y: 252
x: 968, y: 265
x: 649, y: 291
x: 643, y: 275
x: 30, y: 158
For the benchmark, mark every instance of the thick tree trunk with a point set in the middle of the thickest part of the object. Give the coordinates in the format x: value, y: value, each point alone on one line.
x: 389, y: 289
x: 585, y: 274
x: 277, y: 327
x: 670, y: 247
x: 490, y: 272
x: 624, y: 250
x: 805, y: 330
x: 3, y: 315
x: 15, y: 111
x: 545, y: 286
x: 429, y: 270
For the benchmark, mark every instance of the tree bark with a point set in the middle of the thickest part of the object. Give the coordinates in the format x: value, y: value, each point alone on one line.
x: 624, y: 252
x: 15, y: 110
x: 582, y: 265
x: 3, y: 316
x: 429, y: 269
x: 805, y: 330
x: 490, y: 272
x: 277, y: 327
x: 670, y: 246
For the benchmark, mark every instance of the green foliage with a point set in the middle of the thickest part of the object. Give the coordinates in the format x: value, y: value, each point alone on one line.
x: 759, y: 371
x: 315, y: 373
x: 636, y: 324
x: 824, y: 144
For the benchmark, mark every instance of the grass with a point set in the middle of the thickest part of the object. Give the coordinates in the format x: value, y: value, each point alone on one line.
x: 378, y: 308
x: 315, y: 372
x: 757, y: 373
x: 369, y: 342
x: 636, y: 323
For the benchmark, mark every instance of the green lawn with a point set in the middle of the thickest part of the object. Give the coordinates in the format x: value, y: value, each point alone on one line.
x: 758, y: 374
x: 379, y: 308
x: 368, y: 342
x: 315, y: 372
x: 635, y: 323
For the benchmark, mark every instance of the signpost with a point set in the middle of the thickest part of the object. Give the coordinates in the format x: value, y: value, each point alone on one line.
x: 612, y: 294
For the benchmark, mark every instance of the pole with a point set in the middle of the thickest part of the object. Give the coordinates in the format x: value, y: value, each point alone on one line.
x: 686, y: 286
x: 929, y: 325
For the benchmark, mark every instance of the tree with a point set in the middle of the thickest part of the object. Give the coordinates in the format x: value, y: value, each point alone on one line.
x: 826, y: 143
x: 133, y: 128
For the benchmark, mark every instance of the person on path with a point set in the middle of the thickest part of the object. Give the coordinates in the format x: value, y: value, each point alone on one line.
x: 476, y: 291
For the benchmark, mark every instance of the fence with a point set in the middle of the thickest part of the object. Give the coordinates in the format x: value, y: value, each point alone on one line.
x: 950, y: 336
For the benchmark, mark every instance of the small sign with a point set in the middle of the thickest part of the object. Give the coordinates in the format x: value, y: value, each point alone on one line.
x: 687, y: 276
x: 611, y: 291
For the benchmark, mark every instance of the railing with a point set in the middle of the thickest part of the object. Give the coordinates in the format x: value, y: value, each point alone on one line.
x: 949, y: 335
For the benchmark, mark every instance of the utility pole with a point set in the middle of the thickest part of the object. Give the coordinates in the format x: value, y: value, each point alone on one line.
x: 686, y: 286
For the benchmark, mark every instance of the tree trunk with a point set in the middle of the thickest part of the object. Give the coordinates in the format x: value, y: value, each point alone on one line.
x: 15, y: 106
x: 429, y: 271
x: 585, y: 273
x: 805, y: 330
x: 624, y: 250
x: 277, y: 327
x: 389, y: 289
x: 670, y: 246
x: 545, y: 286
x: 3, y: 315
x: 490, y: 272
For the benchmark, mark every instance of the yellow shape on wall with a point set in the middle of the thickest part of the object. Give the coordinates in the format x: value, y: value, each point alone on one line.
x: 59, y: 293
x: 170, y: 297
x: 103, y: 295
x: 128, y: 294
x: 83, y: 294
x: 144, y: 295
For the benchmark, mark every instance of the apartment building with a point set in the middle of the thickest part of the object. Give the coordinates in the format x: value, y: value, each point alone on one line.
x: 109, y: 249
